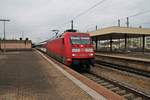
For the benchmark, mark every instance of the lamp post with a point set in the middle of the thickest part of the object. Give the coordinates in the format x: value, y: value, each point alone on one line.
x: 4, y: 20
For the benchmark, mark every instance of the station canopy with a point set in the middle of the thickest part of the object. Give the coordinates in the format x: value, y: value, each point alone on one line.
x: 119, y: 32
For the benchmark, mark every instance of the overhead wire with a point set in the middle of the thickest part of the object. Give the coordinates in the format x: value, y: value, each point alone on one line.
x: 97, y: 4
x: 140, y: 13
x: 101, y: 2
x: 136, y: 14
x: 84, y: 12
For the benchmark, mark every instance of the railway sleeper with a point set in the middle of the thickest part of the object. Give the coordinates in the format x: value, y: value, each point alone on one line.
x: 100, y: 81
x: 129, y: 96
x: 87, y: 75
x: 105, y: 83
x: 138, y: 98
x: 95, y: 79
x: 115, y: 89
x: 109, y: 86
x: 122, y: 92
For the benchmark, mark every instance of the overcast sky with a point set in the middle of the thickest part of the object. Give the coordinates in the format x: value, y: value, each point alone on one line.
x: 36, y: 18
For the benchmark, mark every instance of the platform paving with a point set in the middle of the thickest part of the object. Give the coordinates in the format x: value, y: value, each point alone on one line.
x: 25, y: 75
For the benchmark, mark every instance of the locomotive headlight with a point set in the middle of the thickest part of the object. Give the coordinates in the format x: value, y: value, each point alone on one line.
x: 75, y: 50
x: 74, y: 54
x: 91, y: 54
x: 89, y: 50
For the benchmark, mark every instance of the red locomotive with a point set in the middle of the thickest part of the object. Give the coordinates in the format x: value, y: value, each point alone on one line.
x: 72, y: 49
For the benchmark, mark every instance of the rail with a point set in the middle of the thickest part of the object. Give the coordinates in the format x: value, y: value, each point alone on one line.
x: 119, y: 88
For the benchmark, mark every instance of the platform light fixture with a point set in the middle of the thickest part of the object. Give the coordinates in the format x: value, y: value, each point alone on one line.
x: 4, y: 20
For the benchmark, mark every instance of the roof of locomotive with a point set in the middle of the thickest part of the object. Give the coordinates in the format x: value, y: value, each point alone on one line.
x: 76, y: 33
x: 70, y: 34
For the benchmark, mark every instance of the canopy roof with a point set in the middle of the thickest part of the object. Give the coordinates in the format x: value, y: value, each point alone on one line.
x: 118, y: 32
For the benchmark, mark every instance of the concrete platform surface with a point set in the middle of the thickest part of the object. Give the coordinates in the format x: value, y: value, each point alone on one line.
x: 25, y: 75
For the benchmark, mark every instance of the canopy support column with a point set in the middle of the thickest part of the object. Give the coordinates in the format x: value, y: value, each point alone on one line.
x: 125, y: 45
x: 143, y: 48
x: 96, y: 45
x: 111, y: 43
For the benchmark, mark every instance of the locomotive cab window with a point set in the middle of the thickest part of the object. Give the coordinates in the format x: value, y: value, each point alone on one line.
x: 85, y: 40
x: 80, y: 40
x: 75, y: 40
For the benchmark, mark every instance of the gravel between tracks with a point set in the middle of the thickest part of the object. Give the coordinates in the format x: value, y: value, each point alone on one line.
x: 139, y: 83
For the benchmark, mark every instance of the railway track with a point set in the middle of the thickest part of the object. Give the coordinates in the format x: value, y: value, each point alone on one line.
x: 124, y: 68
x: 119, y: 88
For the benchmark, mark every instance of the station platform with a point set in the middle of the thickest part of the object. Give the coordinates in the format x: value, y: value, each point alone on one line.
x: 26, y: 75
x: 133, y: 56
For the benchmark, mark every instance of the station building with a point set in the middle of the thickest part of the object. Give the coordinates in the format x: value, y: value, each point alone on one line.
x: 13, y: 45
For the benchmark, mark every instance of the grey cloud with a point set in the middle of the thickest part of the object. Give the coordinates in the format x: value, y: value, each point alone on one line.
x: 36, y: 18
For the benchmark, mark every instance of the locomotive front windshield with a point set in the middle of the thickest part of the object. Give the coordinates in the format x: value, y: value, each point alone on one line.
x: 80, y: 40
